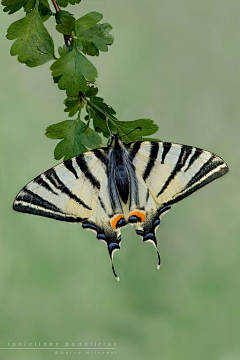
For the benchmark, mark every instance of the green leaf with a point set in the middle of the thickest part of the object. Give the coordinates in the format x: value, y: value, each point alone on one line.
x: 67, y: 148
x: 77, y: 138
x: 63, y: 50
x: 66, y: 25
x: 64, y: 3
x: 100, y: 108
x: 44, y: 10
x: 11, y: 6
x: 99, y: 36
x: 74, y: 69
x: 91, y: 92
x: 60, y: 15
x: 89, y: 49
x: 97, y: 110
x: 86, y: 22
x: 90, y: 138
x: 94, y: 37
x: 34, y: 46
x: 128, y: 130
x: 29, y: 6
x: 73, y: 105
x: 133, y: 130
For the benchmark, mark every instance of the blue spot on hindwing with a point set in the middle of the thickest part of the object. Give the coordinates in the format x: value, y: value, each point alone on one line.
x: 163, y: 209
x: 91, y: 226
x: 121, y: 222
x: 101, y: 236
x: 134, y: 219
x: 113, y: 246
x: 149, y: 236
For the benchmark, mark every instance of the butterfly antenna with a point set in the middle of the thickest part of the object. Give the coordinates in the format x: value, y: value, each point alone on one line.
x: 107, y: 122
x: 137, y: 128
x: 114, y: 273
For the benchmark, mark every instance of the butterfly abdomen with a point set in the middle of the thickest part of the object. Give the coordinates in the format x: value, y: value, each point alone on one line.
x: 118, y: 173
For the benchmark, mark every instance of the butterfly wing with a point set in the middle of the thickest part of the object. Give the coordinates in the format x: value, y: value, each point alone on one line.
x: 173, y: 171
x: 167, y: 173
x: 82, y: 189
x: 105, y: 221
x: 75, y: 191
x: 144, y: 213
x: 67, y: 191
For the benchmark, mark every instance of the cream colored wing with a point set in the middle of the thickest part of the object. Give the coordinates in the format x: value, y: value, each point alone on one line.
x: 165, y: 174
x: 173, y: 171
x: 68, y: 191
x: 76, y: 191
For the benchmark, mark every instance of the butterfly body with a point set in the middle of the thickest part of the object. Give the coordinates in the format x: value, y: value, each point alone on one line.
x: 108, y: 188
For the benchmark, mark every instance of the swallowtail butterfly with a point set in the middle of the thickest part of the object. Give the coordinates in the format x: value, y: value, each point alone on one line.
x: 110, y: 187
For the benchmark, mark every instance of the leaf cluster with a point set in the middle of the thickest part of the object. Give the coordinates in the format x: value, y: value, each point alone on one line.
x: 73, y: 72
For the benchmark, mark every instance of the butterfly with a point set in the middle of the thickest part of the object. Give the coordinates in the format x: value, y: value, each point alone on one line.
x: 110, y: 187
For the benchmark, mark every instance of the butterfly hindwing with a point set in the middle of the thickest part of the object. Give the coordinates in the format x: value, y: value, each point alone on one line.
x: 145, y: 216
x: 106, y: 222
x: 167, y: 173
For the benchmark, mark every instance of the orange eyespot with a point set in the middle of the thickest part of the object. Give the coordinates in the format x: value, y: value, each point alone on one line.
x: 116, y: 219
x: 140, y: 215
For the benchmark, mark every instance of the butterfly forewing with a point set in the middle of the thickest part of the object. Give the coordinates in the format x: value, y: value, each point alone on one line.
x: 173, y: 171
x: 68, y: 191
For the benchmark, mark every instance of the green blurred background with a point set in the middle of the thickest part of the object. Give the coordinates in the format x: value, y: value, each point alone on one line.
x: 176, y: 62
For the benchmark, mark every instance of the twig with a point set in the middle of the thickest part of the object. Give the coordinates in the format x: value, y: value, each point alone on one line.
x: 57, y: 8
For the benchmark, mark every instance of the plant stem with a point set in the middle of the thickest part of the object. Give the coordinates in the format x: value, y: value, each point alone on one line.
x: 57, y: 8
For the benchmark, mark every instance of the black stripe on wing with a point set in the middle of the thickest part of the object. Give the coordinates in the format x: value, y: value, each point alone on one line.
x: 184, y: 154
x: 210, y: 165
x: 166, y: 148
x: 193, y: 158
x: 214, y: 168
x: 40, y: 181
x: 28, y: 197
x: 152, y: 159
x: 80, y: 159
x: 133, y: 150
x: 69, y: 165
x: 55, y: 181
x: 101, y: 154
x: 30, y: 209
x: 102, y: 204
